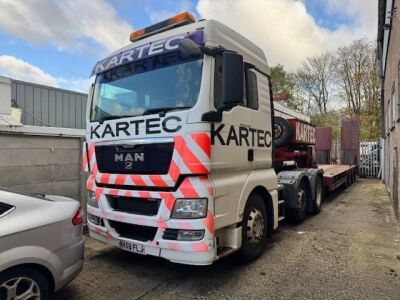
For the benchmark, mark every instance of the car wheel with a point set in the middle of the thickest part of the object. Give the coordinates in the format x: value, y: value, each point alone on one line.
x: 254, y: 228
x: 297, y: 215
x: 319, y: 196
x: 23, y: 283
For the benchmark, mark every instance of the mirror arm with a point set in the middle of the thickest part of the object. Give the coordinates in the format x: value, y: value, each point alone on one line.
x: 212, y: 51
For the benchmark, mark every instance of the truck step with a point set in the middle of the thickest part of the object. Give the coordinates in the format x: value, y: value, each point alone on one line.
x: 224, y: 251
x: 281, y: 210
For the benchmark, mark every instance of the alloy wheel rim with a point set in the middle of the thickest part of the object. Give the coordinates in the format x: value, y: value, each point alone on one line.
x: 21, y: 288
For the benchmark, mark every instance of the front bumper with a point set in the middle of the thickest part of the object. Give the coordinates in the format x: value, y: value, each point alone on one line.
x: 174, y: 251
x: 201, y: 252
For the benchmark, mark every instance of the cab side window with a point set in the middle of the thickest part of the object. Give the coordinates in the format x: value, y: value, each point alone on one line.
x: 251, y: 88
x: 250, y: 92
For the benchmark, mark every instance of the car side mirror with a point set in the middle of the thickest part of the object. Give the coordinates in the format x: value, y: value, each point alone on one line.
x: 232, y: 78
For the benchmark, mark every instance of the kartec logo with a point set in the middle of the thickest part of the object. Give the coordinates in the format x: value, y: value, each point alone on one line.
x: 138, y: 127
x: 147, y: 50
x: 241, y: 136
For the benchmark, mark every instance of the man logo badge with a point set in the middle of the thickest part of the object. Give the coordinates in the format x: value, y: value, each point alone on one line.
x: 128, y: 159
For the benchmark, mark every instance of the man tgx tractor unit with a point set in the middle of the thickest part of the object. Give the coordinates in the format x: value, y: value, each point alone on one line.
x: 180, y: 147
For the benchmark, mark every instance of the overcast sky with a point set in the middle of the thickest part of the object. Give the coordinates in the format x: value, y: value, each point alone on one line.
x: 57, y: 42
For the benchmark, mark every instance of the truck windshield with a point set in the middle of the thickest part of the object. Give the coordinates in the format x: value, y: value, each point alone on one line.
x: 161, y: 83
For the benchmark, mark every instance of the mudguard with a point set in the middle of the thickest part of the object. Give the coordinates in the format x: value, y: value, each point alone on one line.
x: 291, y: 180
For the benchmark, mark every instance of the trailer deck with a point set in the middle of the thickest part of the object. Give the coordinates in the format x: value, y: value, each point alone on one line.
x: 338, y: 175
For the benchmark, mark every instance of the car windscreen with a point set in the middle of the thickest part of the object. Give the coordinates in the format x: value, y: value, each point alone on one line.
x: 166, y: 81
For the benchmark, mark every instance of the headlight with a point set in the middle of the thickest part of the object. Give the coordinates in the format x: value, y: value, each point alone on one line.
x: 189, y: 209
x: 91, y: 199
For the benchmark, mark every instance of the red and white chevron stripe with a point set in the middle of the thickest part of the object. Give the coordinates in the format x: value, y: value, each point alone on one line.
x: 191, y: 156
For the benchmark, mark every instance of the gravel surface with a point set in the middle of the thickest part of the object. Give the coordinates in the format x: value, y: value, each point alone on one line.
x: 351, y: 250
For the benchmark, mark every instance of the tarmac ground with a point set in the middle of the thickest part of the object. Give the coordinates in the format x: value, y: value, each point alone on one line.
x: 351, y: 250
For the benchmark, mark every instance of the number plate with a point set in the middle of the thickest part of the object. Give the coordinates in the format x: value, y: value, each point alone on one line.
x: 132, y: 247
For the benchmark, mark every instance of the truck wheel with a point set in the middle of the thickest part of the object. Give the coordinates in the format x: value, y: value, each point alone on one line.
x: 319, y: 196
x: 254, y: 228
x: 23, y: 283
x: 297, y: 215
x: 282, y: 132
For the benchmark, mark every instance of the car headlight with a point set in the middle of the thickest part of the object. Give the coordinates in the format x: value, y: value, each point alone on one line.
x: 91, y: 199
x: 189, y: 209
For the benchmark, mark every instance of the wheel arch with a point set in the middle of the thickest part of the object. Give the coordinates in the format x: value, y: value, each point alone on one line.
x: 266, y: 196
x: 39, y: 268
x: 292, y: 181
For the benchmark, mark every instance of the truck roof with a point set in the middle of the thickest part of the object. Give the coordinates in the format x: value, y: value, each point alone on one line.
x: 215, y: 34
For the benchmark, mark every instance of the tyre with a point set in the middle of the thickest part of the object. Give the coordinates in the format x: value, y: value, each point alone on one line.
x: 282, y: 132
x: 319, y: 196
x: 254, y: 228
x: 23, y: 283
x: 297, y: 215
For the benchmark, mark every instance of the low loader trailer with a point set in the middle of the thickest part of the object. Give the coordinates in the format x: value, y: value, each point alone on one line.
x: 187, y: 157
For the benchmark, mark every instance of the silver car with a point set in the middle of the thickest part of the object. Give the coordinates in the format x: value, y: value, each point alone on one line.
x: 41, y: 244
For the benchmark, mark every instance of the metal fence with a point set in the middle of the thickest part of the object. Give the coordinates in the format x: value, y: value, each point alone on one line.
x: 335, y: 151
x: 370, y: 159
x: 47, y: 106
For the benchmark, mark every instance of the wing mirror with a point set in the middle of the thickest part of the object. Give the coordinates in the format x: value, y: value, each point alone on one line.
x: 232, y: 78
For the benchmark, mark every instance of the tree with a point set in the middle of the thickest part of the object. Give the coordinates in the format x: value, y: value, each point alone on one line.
x: 284, y: 85
x: 359, y: 84
x: 358, y: 77
x: 315, y: 78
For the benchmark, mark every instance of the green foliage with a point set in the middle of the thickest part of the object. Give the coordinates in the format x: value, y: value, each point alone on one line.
x: 370, y: 126
x: 331, y: 119
x: 347, y: 76
x: 284, y: 83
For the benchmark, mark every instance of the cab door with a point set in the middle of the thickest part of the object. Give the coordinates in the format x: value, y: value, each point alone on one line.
x: 232, y: 152
x: 259, y: 98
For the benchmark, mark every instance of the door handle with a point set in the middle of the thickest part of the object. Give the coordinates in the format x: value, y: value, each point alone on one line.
x: 250, y: 155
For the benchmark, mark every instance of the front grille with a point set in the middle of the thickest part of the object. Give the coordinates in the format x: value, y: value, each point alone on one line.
x: 170, y: 234
x: 134, y: 232
x: 139, y: 206
x: 135, y: 159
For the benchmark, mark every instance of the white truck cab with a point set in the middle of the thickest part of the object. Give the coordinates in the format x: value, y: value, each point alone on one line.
x: 179, y: 145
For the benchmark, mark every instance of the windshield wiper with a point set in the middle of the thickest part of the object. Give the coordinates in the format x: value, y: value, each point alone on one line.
x: 163, y: 110
x: 107, y: 118
x: 160, y: 110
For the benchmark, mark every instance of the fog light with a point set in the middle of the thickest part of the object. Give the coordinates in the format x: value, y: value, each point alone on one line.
x: 94, y: 219
x: 91, y: 199
x: 190, y: 235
